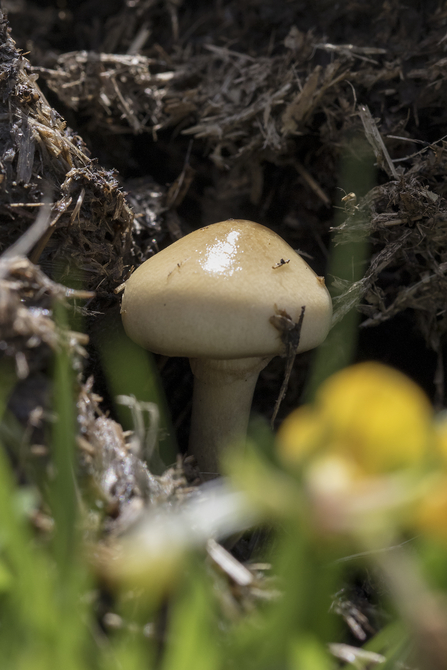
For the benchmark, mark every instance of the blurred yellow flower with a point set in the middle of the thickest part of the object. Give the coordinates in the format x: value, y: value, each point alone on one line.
x: 430, y: 517
x: 343, y: 501
x: 301, y: 434
x: 368, y: 413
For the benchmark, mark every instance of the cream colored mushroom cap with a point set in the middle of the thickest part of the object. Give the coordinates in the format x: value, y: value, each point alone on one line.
x: 212, y: 294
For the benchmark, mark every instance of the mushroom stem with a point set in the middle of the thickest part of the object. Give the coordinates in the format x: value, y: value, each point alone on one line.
x: 223, y: 391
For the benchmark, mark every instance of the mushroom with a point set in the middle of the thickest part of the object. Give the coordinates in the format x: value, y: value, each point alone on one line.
x: 216, y: 296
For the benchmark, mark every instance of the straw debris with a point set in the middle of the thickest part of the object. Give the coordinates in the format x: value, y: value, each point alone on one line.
x: 89, y: 233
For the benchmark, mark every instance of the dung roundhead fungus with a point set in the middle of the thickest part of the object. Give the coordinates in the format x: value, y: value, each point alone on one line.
x: 211, y: 296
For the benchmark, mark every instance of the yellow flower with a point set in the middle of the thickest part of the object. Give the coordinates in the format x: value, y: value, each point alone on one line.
x: 368, y: 413
x: 430, y: 516
x: 301, y: 434
x: 345, y: 502
x: 377, y: 416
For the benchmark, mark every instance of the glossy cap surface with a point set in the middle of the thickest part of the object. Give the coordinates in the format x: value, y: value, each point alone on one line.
x: 212, y: 294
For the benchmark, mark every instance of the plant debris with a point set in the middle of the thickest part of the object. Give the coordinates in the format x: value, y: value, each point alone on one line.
x: 121, y: 483
x: 252, y: 107
x: 27, y: 326
x: 89, y: 233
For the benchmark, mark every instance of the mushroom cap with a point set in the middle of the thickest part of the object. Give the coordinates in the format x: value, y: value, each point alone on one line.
x: 212, y: 293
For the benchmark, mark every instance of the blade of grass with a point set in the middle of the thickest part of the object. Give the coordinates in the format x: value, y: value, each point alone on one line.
x: 347, y: 262
x: 193, y: 628
x: 131, y: 371
x: 63, y: 488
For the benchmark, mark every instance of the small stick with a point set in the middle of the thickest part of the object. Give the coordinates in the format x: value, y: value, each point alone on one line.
x: 291, y: 333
